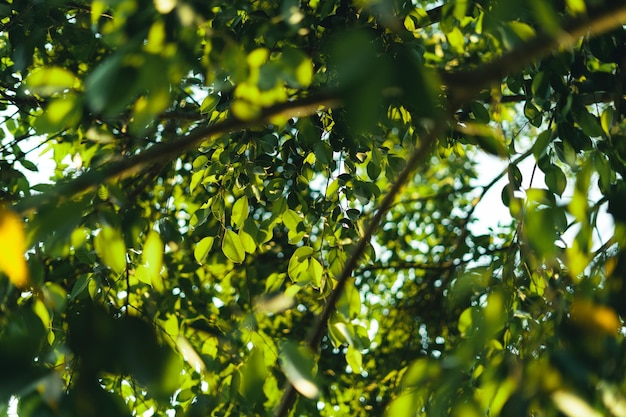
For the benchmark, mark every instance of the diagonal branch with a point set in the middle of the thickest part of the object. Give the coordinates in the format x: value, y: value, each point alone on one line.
x: 167, y: 151
x: 463, y: 86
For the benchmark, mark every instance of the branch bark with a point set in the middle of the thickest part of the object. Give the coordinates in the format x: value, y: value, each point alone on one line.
x: 463, y: 86
x: 167, y: 151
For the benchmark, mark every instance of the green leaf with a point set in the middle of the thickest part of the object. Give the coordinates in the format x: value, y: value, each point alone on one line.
x: 299, y: 367
x: 541, y: 143
x: 209, y: 104
x: 240, y: 212
x: 606, y: 121
x: 29, y: 165
x: 274, y: 189
x: 252, y: 376
x: 299, y: 265
x: 247, y: 241
x: 203, y: 248
x: 556, y: 180
x: 48, y: 81
x: 111, y: 248
x: 490, y: 140
x: 232, y: 247
x: 589, y: 123
x: 354, y: 359
x: 111, y: 86
x: 152, y: 258
x: 291, y: 219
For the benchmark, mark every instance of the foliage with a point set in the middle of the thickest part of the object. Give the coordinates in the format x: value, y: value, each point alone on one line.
x: 266, y: 208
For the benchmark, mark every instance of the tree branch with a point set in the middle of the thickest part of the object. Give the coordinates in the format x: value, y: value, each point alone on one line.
x: 465, y: 85
x: 166, y: 151
x: 585, y: 99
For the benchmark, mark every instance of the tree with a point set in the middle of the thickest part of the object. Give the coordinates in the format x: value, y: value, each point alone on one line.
x: 266, y: 208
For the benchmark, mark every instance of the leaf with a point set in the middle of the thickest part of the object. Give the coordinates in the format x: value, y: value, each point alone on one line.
x: 298, y: 365
x: 50, y: 80
x: 572, y: 405
x: 152, y: 258
x: 111, y: 248
x: 541, y: 143
x: 606, y: 121
x: 486, y: 137
x: 29, y: 165
x: 232, y: 247
x: 209, y: 104
x: 252, y: 376
x: 247, y: 241
x: 299, y: 264
x: 240, y: 212
x: 556, y: 180
x: 354, y: 359
x: 203, y: 248
x: 291, y: 219
x: 189, y: 354
x: 13, y: 248
x: 589, y: 123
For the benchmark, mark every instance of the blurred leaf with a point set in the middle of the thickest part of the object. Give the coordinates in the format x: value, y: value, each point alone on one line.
x: 298, y: 365
x: 48, y: 81
x: 111, y: 248
x: 13, y: 248
x: 252, y: 376
x: 152, y: 258
x: 572, y: 405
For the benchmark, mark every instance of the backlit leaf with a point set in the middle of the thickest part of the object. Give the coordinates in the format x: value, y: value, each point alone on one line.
x: 152, y: 258
x: 252, y: 376
x: 298, y: 365
x: 240, y: 212
x: 13, y: 248
x: 50, y: 80
x: 203, y: 248
x: 111, y: 248
x: 232, y: 247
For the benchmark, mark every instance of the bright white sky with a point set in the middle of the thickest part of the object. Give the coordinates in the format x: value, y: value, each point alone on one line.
x: 491, y: 212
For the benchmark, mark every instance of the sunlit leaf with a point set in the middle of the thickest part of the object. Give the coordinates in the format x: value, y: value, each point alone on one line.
x: 50, y: 80
x: 572, y: 405
x: 111, y: 248
x: 13, y: 248
x: 164, y: 6
x: 298, y: 365
x: 354, y: 359
x: 190, y: 354
x: 232, y: 247
x: 239, y: 212
x: 152, y: 258
x: 252, y: 376
x: 203, y: 248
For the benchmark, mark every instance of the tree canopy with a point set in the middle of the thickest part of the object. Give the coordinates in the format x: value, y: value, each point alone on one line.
x: 268, y: 208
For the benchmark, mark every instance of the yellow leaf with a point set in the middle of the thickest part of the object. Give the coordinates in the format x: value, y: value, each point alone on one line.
x: 12, y: 248
x: 595, y: 317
